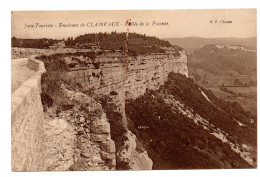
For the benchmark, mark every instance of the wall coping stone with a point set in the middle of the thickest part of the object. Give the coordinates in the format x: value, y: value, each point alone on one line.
x: 22, y: 94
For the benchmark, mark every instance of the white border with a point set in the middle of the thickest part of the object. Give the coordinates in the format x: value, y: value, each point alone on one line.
x: 5, y: 76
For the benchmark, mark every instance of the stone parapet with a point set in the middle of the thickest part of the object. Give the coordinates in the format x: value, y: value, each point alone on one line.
x: 26, y: 122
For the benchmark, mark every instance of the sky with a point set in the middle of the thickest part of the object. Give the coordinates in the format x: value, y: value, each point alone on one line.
x: 180, y: 23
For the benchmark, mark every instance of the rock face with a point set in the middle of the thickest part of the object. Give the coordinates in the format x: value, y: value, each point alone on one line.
x: 141, y: 161
x: 111, y: 76
x: 129, y: 155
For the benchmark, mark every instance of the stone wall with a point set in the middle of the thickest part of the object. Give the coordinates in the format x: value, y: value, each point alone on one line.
x: 27, y: 121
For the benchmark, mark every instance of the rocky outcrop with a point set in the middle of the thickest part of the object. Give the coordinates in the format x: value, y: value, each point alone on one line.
x: 133, y: 159
x: 141, y: 161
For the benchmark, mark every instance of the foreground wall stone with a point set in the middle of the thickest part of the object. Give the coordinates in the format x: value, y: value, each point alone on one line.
x: 26, y: 122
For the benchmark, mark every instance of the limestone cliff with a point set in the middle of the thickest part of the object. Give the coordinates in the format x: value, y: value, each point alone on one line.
x: 109, y: 75
x: 79, y: 122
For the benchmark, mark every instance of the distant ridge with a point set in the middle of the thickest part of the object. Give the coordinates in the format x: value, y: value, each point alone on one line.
x: 192, y: 43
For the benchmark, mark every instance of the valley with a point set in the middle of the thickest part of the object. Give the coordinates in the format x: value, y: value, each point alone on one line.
x: 228, y: 71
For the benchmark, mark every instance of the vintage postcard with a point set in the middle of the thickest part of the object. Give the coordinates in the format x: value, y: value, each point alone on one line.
x: 133, y: 90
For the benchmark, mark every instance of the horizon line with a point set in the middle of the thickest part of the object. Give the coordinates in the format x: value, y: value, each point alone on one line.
x: 61, y: 38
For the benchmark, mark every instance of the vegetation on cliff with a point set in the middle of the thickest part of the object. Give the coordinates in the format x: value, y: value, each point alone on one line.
x: 138, y: 44
x: 223, y: 114
x: 174, y: 141
x: 57, y: 68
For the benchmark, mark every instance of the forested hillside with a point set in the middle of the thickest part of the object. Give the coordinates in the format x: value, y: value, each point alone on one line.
x: 138, y: 44
x: 186, y: 126
x: 217, y: 60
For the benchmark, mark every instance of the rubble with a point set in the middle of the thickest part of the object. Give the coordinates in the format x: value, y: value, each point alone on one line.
x: 92, y: 147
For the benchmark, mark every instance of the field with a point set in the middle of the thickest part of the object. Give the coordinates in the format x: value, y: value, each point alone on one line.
x: 248, y: 101
x: 246, y: 96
